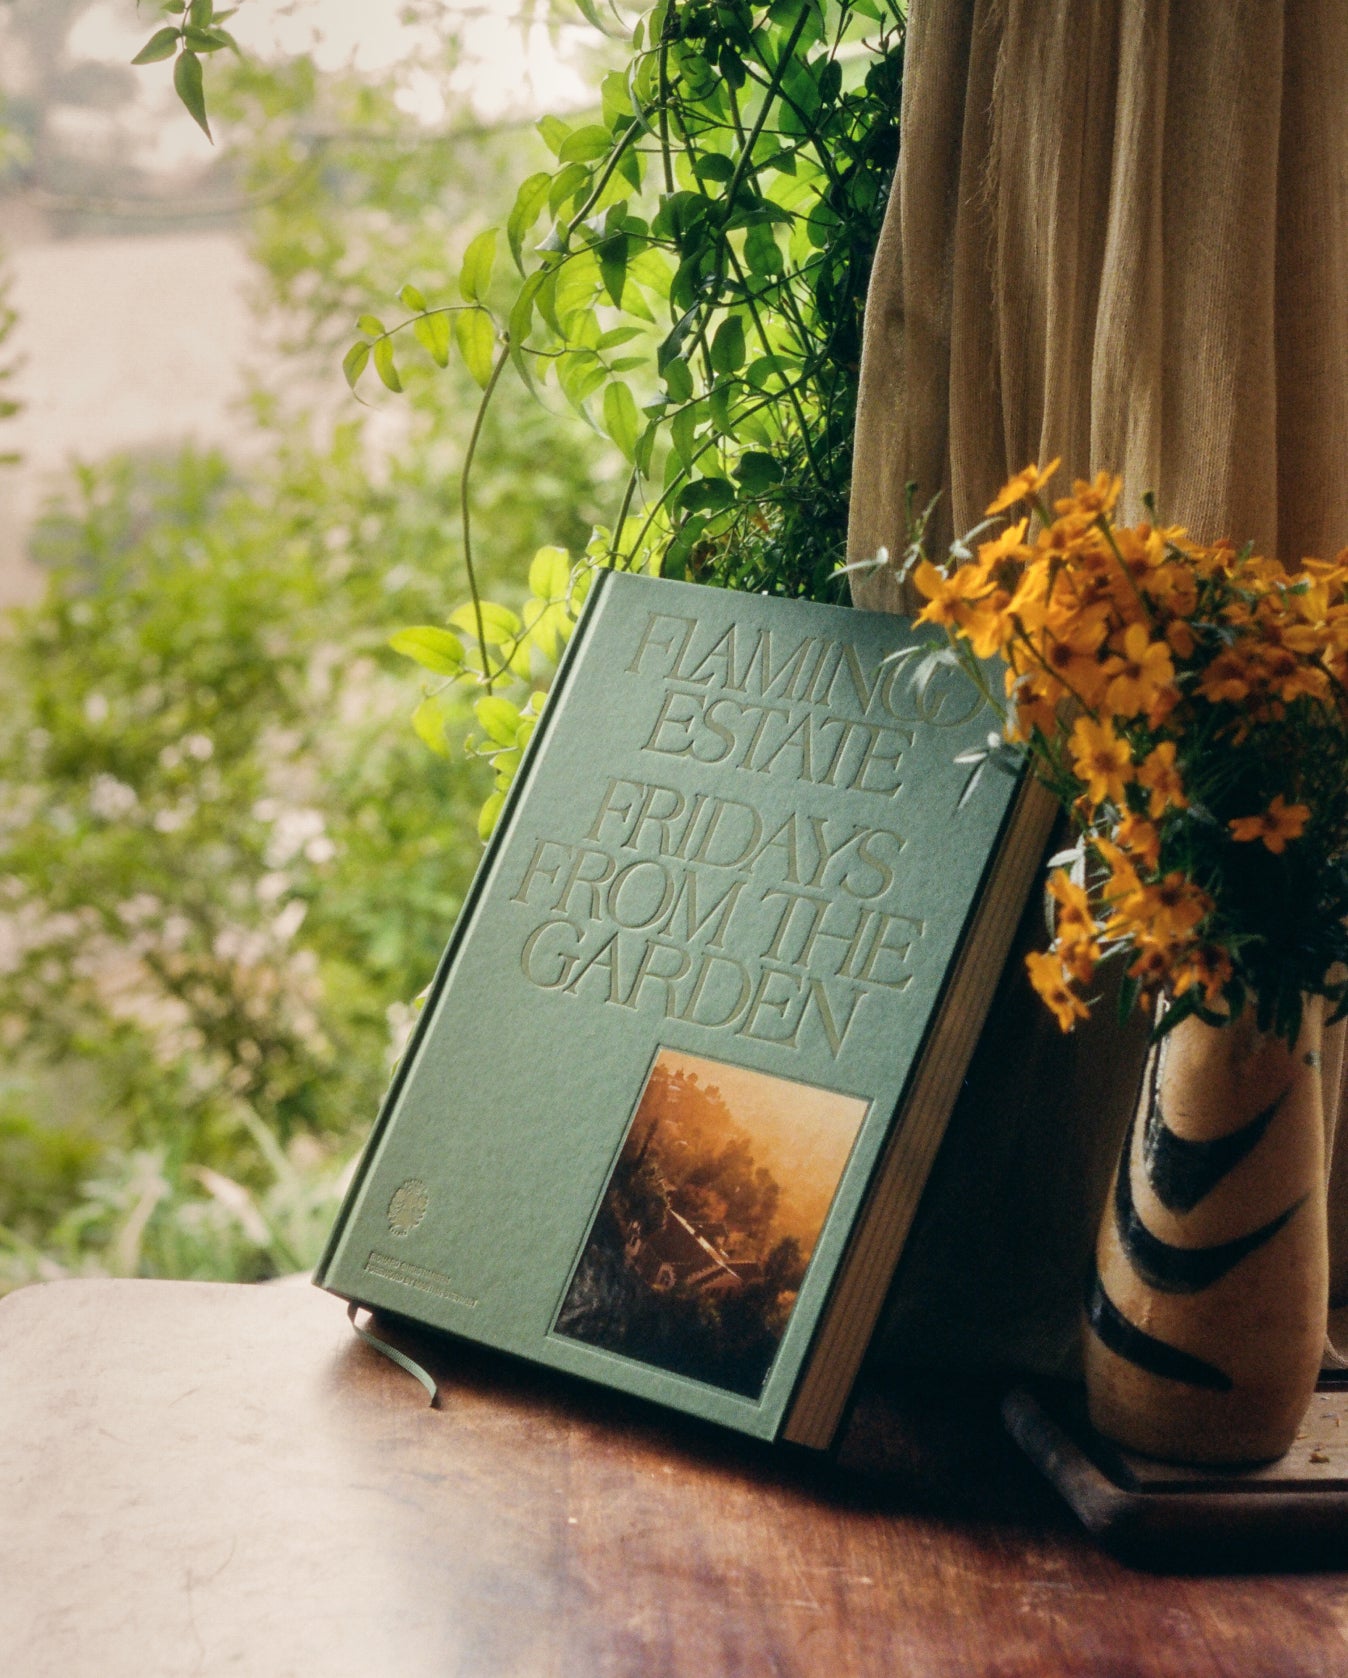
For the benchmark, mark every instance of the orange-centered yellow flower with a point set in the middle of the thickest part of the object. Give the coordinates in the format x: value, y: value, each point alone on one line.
x: 1275, y: 826
x: 1101, y: 759
x: 1028, y: 482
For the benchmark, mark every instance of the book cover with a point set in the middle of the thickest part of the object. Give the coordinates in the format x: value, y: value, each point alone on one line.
x: 671, y: 1050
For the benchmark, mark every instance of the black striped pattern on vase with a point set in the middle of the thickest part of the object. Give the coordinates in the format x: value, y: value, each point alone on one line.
x: 1181, y: 1173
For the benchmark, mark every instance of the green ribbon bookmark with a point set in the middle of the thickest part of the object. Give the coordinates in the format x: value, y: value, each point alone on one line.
x: 395, y: 1356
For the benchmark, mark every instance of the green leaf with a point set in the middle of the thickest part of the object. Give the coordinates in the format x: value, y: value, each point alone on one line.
x: 727, y: 347
x: 354, y: 362
x: 681, y: 432
x: 621, y: 419
x: 162, y: 44
x: 713, y: 166
x: 411, y: 297
x: 384, y: 364
x: 478, y: 262
x: 758, y: 472
x: 499, y: 623
x: 761, y: 251
x: 709, y: 494
x: 206, y: 40
x: 499, y: 717
x: 554, y: 132
x: 371, y: 326
x: 550, y: 574
x: 432, y: 332
x: 585, y: 145
x: 435, y: 649
x: 613, y: 266
x: 679, y: 380
x: 488, y: 816
x: 569, y: 184
x: 476, y: 338
x: 529, y: 202
x: 200, y: 12
x: 188, y: 85
x: 429, y: 722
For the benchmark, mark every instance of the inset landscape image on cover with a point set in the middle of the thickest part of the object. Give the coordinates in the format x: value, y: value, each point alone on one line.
x: 709, y: 1220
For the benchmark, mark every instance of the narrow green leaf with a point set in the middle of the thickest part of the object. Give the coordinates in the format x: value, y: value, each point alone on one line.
x: 432, y: 332
x: 188, y: 86
x: 411, y: 297
x: 478, y: 262
x: 433, y: 648
x: 621, y: 419
x: 371, y: 326
x: 354, y: 362
x: 162, y: 44
x: 476, y: 338
x: 384, y: 364
x: 200, y: 12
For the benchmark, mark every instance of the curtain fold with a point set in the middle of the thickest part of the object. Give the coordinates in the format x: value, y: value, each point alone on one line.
x: 1118, y: 233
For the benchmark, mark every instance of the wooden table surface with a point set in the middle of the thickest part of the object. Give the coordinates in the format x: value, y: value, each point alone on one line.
x: 197, y: 1479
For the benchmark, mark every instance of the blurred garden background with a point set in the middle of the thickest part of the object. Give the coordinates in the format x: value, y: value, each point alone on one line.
x: 235, y: 825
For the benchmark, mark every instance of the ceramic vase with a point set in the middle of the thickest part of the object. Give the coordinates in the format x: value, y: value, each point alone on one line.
x: 1205, y: 1319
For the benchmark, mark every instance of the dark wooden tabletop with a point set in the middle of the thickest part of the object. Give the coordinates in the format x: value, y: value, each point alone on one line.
x: 197, y: 1479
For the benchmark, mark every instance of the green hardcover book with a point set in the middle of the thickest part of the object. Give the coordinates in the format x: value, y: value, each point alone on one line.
x: 690, y: 1051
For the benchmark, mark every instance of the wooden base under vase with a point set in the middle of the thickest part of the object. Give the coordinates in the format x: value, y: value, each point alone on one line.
x: 1206, y: 1315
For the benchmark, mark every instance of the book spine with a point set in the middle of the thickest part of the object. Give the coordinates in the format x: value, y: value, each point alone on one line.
x: 467, y: 911
x: 873, y: 1254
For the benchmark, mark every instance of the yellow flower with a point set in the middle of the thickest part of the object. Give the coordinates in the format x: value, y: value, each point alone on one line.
x: 1230, y: 676
x: 947, y: 597
x: 1158, y: 774
x: 1140, y: 839
x: 1206, y: 965
x: 1141, y: 675
x: 1049, y: 979
x: 1090, y: 500
x: 1275, y: 826
x: 1101, y: 759
x: 1025, y: 483
x: 1163, y: 913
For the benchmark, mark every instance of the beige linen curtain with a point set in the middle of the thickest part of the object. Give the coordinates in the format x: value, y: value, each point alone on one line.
x: 1119, y: 234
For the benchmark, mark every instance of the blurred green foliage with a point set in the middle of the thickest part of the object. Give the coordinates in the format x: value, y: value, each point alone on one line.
x: 226, y: 863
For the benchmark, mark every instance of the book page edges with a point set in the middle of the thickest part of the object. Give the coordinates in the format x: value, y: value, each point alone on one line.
x: 872, y: 1256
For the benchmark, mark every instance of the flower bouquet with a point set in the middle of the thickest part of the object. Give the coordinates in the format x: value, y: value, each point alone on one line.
x: 1188, y: 704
